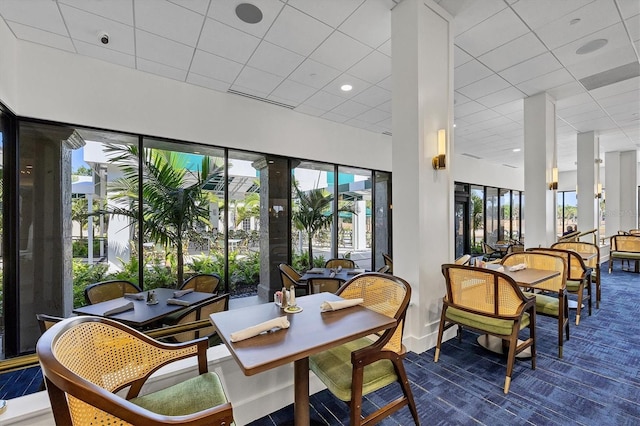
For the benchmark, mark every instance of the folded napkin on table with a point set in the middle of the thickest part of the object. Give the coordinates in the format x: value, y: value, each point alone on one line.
x: 135, y: 296
x: 518, y: 267
x: 276, y: 323
x: 332, y: 274
x: 339, y: 268
x: 123, y: 308
x: 339, y: 304
x: 315, y: 271
x: 180, y: 293
x: 499, y: 269
x: 355, y: 272
x: 178, y: 302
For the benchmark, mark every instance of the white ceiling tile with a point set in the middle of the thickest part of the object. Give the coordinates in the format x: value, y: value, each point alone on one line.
x: 387, y: 106
x: 161, y: 50
x: 46, y: 38
x: 470, y: 13
x: 387, y: 83
x: 370, y: 23
x: 121, y: 11
x: 331, y: 12
x: 468, y: 73
x: 199, y: 6
x: 501, y: 97
x: 87, y: 27
x: 372, y: 68
x: 238, y: 46
x: 373, y: 96
x: 314, y: 74
x: 324, y: 101
x: 510, y: 107
x: 584, y: 116
x: 225, y: 11
x: 274, y: 59
x: 340, y: 51
x: 309, y: 110
x: 108, y: 55
x: 309, y: 32
x: 249, y: 91
x: 460, y: 56
x: 215, y: 67
x: 335, y: 117
x: 350, y: 109
x: 577, y: 99
x: 459, y: 99
x: 631, y: 84
x: 153, y: 15
x: 374, y: 116
x: 544, y: 82
x: 467, y: 109
x: 540, y: 12
x: 385, y: 48
x: 487, y: 85
x: 566, y: 90
x: 42, y: 15
x: 620, y: 98
x: 516, y: 116
x: 161, y: 70
x: 519, y: 50
x: 257, y: 80
x: 532, y: 68
x: 599, y: 123
x: 335, y: 86
x: 593, y: 17
x: 210, y: 83
x: 293, y: 91
x: 603, y: 61
x: 629, y: 8
x: 284, y: 101
x: 633, y: 26
x: 487, y: 114
x: 484, y: 37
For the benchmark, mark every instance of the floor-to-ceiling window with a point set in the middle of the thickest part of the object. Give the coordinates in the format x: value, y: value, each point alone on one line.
x: 492, y: 219
x: 567, y: 211
x: 516, y: 212
x: 504, y: 228
x: 476, y: 221
x: 354, y: 233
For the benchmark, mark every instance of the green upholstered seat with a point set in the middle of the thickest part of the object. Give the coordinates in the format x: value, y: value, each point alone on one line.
x: 573, y: 285
x: 334, y: 368
x: 546, y: 305
x: 188, y: 397
x: 625, y: 255
x: 481, y: 322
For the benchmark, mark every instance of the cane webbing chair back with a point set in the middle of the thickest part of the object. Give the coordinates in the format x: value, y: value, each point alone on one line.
x: 345, y: 263
x: 291, y: 277
x: 490, y: 302
x: 365, y: 365
x: 108, y: 290
x: 200, y: 311
x: 203, y: 283
x: 319, y: 285
x: 463, y: 260
x: 592, y: 262
x: 83, y: 357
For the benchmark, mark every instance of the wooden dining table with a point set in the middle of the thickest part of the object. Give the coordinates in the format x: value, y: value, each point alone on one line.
x: 344, y: 274
x: 144, y: 314
x: 311, y: 331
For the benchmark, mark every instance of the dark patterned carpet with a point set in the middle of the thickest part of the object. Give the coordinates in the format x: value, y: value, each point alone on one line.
x: 596, y: 383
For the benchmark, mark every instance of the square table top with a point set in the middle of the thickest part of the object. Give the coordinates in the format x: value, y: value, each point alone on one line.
x: 143, y: 314
x: 310, y: 331
x: 529, y: 277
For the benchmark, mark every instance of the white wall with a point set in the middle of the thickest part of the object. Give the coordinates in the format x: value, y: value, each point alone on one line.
x: 480, y: 172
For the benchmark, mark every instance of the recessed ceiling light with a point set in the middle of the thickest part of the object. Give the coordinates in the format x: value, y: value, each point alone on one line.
x: 592, y: 46
x: 346, y: 87
x: 248, y: 13
x: 516, y: 150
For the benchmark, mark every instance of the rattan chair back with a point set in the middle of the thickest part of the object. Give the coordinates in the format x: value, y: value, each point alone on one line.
x: 200, y: 311
x: 204, y: 283
x: 290, y: 277
x: 108, y: 290
x: 320, y: 285
x: 463, y: 260
x: 544, y: 261
x: 345, y: 263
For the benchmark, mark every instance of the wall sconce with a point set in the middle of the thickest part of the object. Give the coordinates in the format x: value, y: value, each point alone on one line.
x: 553, y: 185
x: 439, y: 161
x: 599, y: 191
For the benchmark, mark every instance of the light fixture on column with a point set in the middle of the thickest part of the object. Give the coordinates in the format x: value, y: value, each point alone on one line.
x: 599, y: 190
x: 439, y: 161
x: 553, y: 184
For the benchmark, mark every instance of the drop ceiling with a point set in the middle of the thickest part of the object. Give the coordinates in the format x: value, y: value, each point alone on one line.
x: 302, y: 51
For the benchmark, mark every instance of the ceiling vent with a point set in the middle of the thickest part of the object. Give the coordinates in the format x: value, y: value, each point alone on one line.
x: 614, y: 75
x: 258, y: 98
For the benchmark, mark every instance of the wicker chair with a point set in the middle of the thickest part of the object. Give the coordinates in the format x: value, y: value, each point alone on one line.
x: 345, y: 263
x: 578, y: 278
x: 384, y: 269
x: 86, y: 360
x: 370, y: 363
x: 463, y: 260
x: 204, y: 283
x: 389, y: 262
x: 108, y: 290
x: 197, y: 312
x: 593, y: 262
x: 489, y: 253
x: 290, y: 277
x: 550, y: 306
x: 319, y: 285
x: 490, y: 302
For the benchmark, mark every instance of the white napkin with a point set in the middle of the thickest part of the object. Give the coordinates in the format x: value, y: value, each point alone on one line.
x: 180, y: 293
x: 315, y: 271
x: 339, y: 268
x: 518, y: 267
x: 355, y: 272
x: 276, y: 323
x: 135, y: 296
x: 123, y: 308
x: 339, y: 304
x: 332, y: 274
x: 178, y: 302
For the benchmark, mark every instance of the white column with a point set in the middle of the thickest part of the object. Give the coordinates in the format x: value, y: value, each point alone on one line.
x: 422, y: 40
x: 588, y: 177
x: 539, y: 160
x: 621, y: 193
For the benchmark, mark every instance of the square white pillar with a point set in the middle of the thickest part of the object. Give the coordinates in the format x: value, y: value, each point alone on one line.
x: 588, y: 177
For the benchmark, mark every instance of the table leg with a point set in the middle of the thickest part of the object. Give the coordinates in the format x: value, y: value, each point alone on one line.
x: 301, y: 389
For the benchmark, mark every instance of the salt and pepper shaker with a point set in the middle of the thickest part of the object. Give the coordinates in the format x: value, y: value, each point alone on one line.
x: 292, y: 297
x: 285, y: 297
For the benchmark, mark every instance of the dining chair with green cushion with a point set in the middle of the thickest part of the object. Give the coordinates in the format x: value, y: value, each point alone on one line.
x: 290, y: 277
x: 319, y: 285
x: 108, y: 290
x: 345, y: 263
x: 578, y: 278
x: 552, y: 301
x: 86, y: 361
x: 204, y: 283
x: 388, y: 261
x: 365, y: 365
x: 197, y: 312
x: 592, y: 262
x: 489, y: 302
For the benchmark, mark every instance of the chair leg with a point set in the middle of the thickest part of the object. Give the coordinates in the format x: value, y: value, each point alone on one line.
x: 440, y: 333
x: 579, y: 307
x: 355, y: 405
x: 406, y: 389
x: 511, y: 357
x: 598, y: 294
x: 589, y: 294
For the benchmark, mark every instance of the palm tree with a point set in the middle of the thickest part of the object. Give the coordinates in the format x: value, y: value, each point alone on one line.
x: 174, y: 200
x: 313, y: 213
